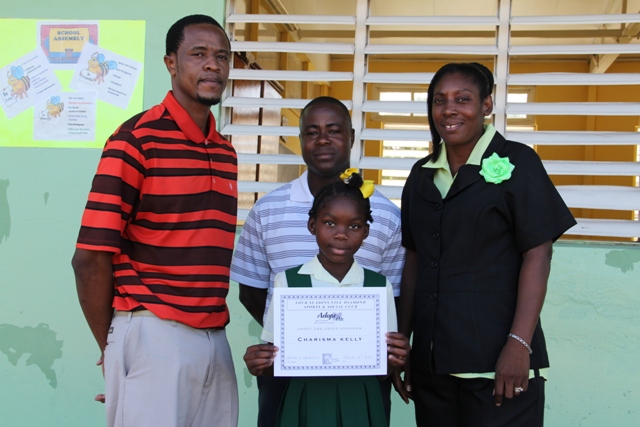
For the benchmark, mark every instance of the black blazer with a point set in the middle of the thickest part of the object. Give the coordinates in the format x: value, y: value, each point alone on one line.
x: 469, y: 247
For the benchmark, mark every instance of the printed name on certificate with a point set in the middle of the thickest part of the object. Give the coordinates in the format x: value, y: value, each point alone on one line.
x: 330, y: 331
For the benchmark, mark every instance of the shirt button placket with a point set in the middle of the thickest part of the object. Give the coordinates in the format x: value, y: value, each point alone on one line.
x: 210, y: 158
x: 436, y: 236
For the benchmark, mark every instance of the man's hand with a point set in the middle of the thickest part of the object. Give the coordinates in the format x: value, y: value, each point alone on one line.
x: 94, y: 283
x: 100, y: 362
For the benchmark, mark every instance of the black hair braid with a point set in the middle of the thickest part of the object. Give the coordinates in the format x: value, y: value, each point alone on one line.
x: 349, y: 189
x: 355, y: 181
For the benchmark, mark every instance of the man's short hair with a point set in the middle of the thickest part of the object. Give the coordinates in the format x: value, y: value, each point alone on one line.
x: 325, y: 100
x: 175, y: 35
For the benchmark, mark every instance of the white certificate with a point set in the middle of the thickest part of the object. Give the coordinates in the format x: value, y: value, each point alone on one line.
x: 330, y: 331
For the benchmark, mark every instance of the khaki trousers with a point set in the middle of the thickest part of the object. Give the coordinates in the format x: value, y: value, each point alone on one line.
x: 161, y: 373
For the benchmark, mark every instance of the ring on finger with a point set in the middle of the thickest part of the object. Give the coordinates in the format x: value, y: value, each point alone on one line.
x: 518, y: 390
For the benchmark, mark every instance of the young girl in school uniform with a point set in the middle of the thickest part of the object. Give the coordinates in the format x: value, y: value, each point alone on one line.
x: 339, y: 219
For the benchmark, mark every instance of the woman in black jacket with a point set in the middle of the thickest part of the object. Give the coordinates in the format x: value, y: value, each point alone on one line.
x: 479, y: 216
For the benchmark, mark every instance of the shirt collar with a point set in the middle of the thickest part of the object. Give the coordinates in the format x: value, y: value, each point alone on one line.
x: 475, y: 158
x: 314, y: 268
x: 441, y: 162
x: 300, y: 191
x: 483, y: 143
x: 186, y: 124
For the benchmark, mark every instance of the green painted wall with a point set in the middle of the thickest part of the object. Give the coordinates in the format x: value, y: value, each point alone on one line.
x: 47, y: 354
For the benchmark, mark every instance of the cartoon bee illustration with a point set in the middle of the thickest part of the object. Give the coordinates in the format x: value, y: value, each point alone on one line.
x: 54, y: 106
x: 100, y: 67
x: 19, y: 83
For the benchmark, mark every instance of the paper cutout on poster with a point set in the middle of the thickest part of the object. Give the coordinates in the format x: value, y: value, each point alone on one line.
x: 62, y: 42
x: 112, y: 76
x: 67, y: 116
x: 26, y: 82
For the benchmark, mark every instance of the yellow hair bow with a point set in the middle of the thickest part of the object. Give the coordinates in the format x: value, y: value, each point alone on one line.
x: 347, y: 174
x: 367, y: 186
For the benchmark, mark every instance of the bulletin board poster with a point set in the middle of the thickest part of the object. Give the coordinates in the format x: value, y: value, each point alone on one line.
x: 62, y: 42
x: 68, y: 84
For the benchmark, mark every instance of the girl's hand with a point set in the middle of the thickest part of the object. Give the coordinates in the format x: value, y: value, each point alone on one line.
x: 398, y: 349
x: 512, y: 371
x: 259, y: 358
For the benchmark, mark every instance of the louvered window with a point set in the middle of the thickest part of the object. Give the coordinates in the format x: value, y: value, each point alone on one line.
x: 578, y: 73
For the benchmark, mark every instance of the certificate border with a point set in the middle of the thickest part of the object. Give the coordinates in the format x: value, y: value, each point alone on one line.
x: 283, y: 349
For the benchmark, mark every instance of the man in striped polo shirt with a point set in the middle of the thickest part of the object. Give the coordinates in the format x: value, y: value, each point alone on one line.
x: 156, y: 242
x: 275, y: 236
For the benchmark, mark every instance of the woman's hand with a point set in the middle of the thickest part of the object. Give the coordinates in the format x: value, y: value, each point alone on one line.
x: 512, y: 371
x: 405, y: 322
x: 398, y: 349
x: 403, y: 386
x: 259, y: 358
x: 512, y: 368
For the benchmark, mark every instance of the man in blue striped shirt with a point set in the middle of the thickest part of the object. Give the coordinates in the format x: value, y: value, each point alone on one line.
x: 275, y: 235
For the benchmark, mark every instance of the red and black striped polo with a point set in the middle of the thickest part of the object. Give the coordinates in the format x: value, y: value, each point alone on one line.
x: 164, y: 201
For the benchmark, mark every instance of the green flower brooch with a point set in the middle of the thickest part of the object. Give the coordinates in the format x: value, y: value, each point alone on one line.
x: 496, y: 169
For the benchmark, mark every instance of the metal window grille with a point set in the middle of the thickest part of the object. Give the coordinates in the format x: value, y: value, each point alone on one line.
x: 499, y: 35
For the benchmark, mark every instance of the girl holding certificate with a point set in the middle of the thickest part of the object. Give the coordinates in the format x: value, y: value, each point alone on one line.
x: 339, y: 219
x: 479, y: 216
